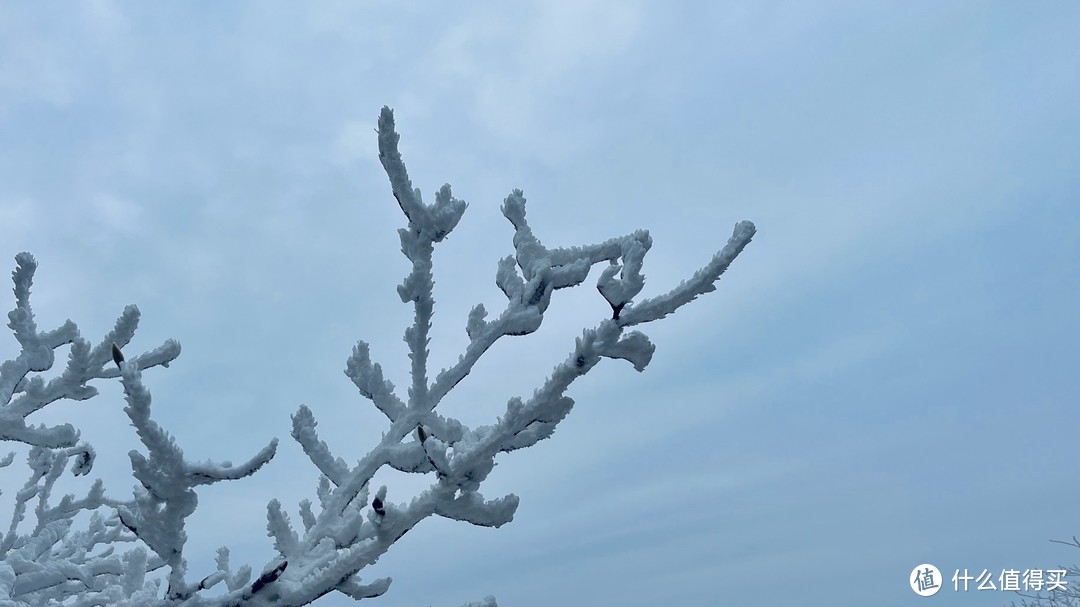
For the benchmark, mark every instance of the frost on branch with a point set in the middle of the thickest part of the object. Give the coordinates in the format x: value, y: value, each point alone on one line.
x: 336, y: 543
x: 22, y: 394
x: 53, y: 564
x: 166, y: 496
x: 349, y: 527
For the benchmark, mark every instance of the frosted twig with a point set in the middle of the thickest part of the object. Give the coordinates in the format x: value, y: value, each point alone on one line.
x: 461, y: 457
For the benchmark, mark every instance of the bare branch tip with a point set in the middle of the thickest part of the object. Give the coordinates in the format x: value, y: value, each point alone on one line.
x: 117, y: 355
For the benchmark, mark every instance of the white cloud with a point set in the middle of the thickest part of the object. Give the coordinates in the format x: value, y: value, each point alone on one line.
x: 33, y: 70
x: 511, y: 73
x: 110, y: 213
x: 18, y: 217
x: 104, y: 17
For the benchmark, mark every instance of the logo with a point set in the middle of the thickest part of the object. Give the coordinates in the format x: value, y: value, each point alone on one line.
x: 925, y: 580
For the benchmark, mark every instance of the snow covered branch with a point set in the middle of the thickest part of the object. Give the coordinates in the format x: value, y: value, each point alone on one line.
x: 167, y: 495
x: 52, y: 563
x: 21, y: 395
x: 338, y: 542
x: 352, y: 525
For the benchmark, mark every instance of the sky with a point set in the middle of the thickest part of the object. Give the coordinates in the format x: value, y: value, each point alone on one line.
x: 885, y: 377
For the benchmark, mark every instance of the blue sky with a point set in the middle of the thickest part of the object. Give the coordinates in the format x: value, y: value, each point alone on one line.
x: 885, y: 377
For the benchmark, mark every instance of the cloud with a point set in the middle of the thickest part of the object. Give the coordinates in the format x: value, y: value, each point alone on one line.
x: 34, y: 69
x: 228, y: 157
x: 18, y: 216
x: 110, y: 213
x: 512, y: 76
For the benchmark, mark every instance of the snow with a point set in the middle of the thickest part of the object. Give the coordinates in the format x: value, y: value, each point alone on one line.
x: 343, y: 533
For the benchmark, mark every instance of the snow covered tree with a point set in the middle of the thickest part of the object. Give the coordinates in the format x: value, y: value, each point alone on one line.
x: 353, y: 524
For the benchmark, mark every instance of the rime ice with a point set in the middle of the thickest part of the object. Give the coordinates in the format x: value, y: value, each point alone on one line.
x: 349, y: 528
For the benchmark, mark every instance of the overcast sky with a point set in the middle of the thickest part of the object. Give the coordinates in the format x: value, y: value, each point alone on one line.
x: 885, y: 377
